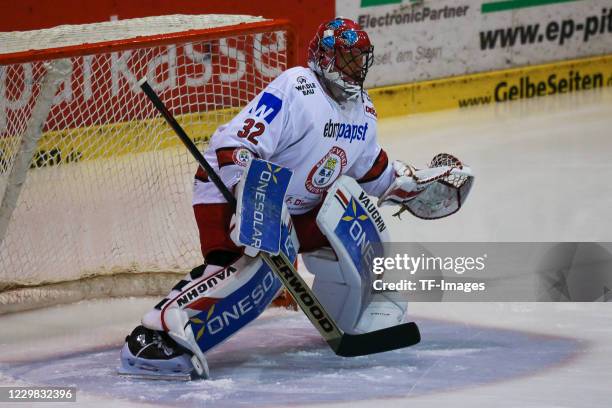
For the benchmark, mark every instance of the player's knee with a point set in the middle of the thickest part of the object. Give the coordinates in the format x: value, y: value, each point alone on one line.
x: 213, y: 221
x: 308, y: 233
x: 222, y: 257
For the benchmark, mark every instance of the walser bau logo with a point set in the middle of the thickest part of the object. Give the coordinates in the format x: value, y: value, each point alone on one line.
x: 307, y: 88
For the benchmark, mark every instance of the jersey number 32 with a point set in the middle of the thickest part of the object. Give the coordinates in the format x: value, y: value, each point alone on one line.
x: 251, y: 130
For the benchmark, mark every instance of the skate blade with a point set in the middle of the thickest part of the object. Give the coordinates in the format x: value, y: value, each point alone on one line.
x: 152, y: 375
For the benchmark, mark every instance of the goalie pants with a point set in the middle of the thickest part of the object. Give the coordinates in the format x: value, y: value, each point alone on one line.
x: 214, y: 227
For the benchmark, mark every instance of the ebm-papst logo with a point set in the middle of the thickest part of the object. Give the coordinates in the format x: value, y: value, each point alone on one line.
x: 326, y: 171
x: 348, y: 131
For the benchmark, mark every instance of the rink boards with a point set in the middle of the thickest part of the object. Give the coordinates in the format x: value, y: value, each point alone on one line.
x: 494, y: 87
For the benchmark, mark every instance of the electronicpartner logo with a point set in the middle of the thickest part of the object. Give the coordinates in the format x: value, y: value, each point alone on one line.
x: 412, y: 12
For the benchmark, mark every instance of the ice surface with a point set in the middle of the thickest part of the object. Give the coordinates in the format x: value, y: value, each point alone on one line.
x: 543, y: 168
x: 281, y: 359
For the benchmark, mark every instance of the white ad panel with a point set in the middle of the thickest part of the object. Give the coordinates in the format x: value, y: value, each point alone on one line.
x: 421, y: 40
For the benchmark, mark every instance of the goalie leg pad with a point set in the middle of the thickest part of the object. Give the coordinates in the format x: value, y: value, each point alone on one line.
x: 338, y: 290
x: 152, y: 319
x: 343, y: 298
x: 343, y: 277
x: 200, y: 314
x: 386, y: 309
x: 212, y: 309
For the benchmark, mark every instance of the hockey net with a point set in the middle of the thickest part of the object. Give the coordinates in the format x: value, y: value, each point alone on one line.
x: 95, y: 188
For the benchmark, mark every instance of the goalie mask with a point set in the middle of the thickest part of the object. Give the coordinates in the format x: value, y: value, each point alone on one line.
x: 341, y: 54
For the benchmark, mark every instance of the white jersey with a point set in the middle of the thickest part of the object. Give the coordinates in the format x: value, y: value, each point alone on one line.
x: 294, y: 123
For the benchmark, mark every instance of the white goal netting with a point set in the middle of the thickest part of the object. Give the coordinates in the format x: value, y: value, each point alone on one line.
x: 95, y: 186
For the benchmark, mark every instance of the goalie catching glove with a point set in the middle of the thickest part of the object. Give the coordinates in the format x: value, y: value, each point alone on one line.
x: 435, y: 192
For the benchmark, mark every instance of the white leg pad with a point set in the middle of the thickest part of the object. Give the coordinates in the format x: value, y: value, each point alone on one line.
x: 176, y: 322
x: 338, y: 290
x: 152, y: 319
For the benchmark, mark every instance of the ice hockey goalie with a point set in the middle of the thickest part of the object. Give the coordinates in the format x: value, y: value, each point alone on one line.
x: 318, y: 123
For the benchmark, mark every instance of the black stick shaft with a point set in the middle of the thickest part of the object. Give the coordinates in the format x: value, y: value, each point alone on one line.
x: 212, y: 174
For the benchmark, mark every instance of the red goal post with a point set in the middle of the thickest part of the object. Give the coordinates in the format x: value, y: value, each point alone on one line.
x: 95, y: 191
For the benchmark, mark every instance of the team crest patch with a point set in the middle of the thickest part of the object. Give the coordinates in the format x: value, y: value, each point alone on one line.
x: 326, y: 171
x: 242, y: 156
x: 229, y: 156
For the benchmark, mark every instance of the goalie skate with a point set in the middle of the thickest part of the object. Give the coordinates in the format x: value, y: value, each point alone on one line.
x: 150, y: 354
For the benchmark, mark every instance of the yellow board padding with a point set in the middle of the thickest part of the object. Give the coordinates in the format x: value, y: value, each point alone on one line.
x: 493, y: 87
x: 93, y: 142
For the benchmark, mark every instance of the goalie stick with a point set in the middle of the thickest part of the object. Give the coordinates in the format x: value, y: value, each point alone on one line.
x: 343, y: 344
